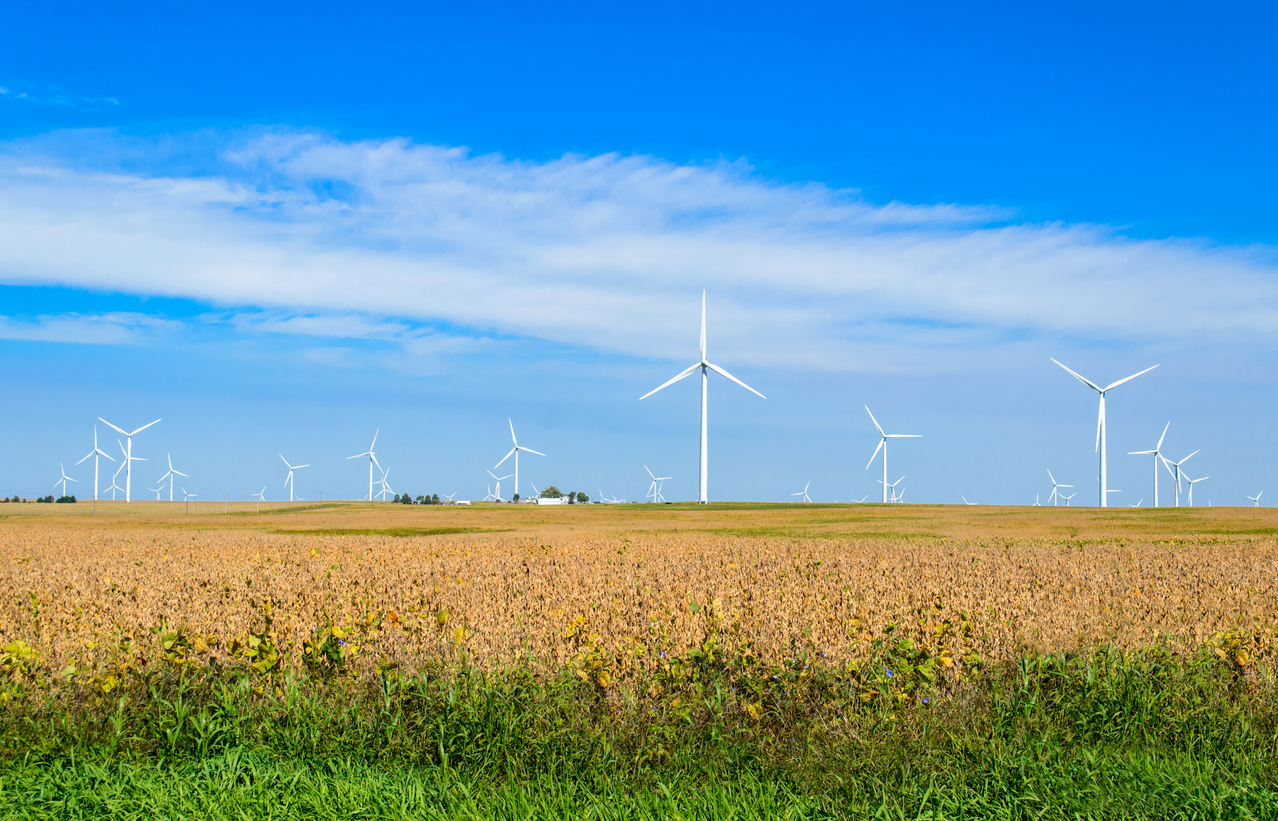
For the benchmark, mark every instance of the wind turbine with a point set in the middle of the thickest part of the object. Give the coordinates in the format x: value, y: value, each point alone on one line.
x: 157, y: 491
x: 1193, y: 482
x: 187, y: 497
x: 95, y: 453
x: 372, y: 460
x: 1156, y: 453
x: 804, y: 492
x: 1036, y: 502
x: 261, y: 497
x: 705, y: 367
x: 497, y: 493
x: 1056, y: 496
x: 1138, y: 504
x: 289, y: 481
x: 490, y: 497
x: 386, y: 488
x: 893, y: 485
x: 1100, y: 423
x: 129, y: 458
x: 515, y: 452
x: 450, y: 496
x: 63, y: 481
x: 1174, y: 469
x: 883, y: 446
x: 172, y: 473
x: 655, y: 490
x: 965, y: 501
x: 1067, y: 498
x: 114, y: 476
x: 1256, y: 498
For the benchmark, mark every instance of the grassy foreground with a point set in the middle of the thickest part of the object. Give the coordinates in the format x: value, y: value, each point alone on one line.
x: 1110, y: 735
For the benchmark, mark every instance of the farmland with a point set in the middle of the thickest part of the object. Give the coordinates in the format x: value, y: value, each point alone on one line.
x: 826, y: 621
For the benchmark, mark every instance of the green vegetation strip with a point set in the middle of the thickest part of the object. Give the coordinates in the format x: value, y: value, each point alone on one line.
x: 1107, y: 734
x: 387, y: 531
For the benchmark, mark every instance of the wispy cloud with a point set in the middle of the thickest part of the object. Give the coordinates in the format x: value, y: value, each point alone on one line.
x: 371, y: 239
x: 56, y: 97
x: 101, y: 329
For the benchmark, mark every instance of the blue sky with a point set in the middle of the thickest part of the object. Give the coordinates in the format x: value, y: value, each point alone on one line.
x: 283, y: 229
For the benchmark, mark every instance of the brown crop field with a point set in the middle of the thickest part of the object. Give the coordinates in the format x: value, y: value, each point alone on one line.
x: 613, y: 588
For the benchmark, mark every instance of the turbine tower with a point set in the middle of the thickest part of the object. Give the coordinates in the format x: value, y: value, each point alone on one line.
x: 1174, y: 469
x: 1193, y: 482
x: 497, y: 493
x: 289, y: 482
x: 883, y: 446
x: 515, y: 452
x: 96, y: 453
x: 655, y: 490
x: 1100, y: 423
x: 372, y: 460
x: 63, y: 481
x: 705, y: 367
x: 1156, y: 453
x: 129, y: 458
x: 170, y: 475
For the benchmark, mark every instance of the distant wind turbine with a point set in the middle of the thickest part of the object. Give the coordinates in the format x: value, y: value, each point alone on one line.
x: 804, y: 492
x: 655, y: 490
x: 1100, y: 423
x: 1138, y: 504
x: 497, y: 493
x: 1067, y: 498
x: 965, y: 501
x: 1157, y: 454
x: 386, y: 488
x: 1056, y: 496
x: 96, y: 453
x: 883, y: 446
x: 114, y: 476
x: 1174, y: 469
x: 261, y: 497
x: 372, y: 460
x: 157, y: 491
x: 1193, y: 482
x: 515, y: 452
x: 289, y: 481
x: 129, y: 458
x: 705, y: 366
x: 170, y: 476
x: 1256, y: 498
x: 63, y: 481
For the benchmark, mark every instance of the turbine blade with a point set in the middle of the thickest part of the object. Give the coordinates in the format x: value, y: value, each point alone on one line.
x: 504, y: 458
x: 299, y: 467
x: 370, y: 447
x: 1141, y: 452
x: 139, y: 430
x: 703, y: 325
x: 374, y: 458
x: 534, y: 452
x: 722, y: 372
x: 1089, y: 383
x: 180, y: 473
x: 875, y: 421
x: 1159, y: 446
x: 903, y: 436
x: 512, y: 432
x: 654, y: 478
x: 1187, y: 458
x: 113, y: 427
x: 1050, y: 476
x: 683, y: 375
x: 290, y: 467
x: 1130, y: 378
x: 876, y: 453
x: 82, y: 460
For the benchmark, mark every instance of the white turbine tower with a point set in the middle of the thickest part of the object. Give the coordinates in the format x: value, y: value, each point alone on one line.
x: 386, y: 488
x: 515, y: 452
x: 125, y: 465
x: 1056, y: 495
x: 1256, y: 498
x: 96, y: 453
x: 372, y: 460
x: 804, y: 492
x: 1100, y: 423
x: 63, y: 481
x: 490, y: 497
x: 172, y: 473
x: 289, y: 481
x: 1071, y: 496
x: 655, y: 490
x: 114, y: 476
x: 1157, y: 454
x: 157, y: 491
x: 883, y: 446
x: 705, y: 367
x: 261, y: 497
x: 497, y: 493
x: 1193, y: 482
x: 129, y: 458
x: 1174, y: 469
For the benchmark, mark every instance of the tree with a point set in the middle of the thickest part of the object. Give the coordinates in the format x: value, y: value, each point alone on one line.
x: 582, y: 498
x: 515, y: 498
x: 572, y: 497
x: 434, y: 498
x: 552, y: 492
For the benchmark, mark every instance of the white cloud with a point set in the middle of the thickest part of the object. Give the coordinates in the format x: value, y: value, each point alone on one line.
x: 101, y: 329
x: 364, y: 239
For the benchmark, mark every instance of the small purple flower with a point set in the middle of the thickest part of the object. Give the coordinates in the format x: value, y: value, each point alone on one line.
x: 889, y: 672
x: 925, y: 700
x: 341, y: 643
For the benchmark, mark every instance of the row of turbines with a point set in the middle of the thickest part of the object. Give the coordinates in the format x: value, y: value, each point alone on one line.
x: 891, y: 491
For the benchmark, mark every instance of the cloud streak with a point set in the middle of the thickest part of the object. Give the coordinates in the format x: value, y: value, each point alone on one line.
x: 369, y: 239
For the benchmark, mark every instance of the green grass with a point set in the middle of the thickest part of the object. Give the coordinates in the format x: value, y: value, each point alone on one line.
x: 1106, y: 735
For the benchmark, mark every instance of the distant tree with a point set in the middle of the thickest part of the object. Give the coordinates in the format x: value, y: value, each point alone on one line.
x: 66, y: 500
x: 572, y: 497
x: 582, y: 498
x: 552, y: 492
x: 434, y: 498
x: 515, y: 498
x: 406, y: 499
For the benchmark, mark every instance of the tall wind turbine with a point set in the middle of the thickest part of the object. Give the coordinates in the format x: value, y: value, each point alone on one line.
x: 1193, y: 482
x: 1156, y: 453
x: 1174, y: 469
x: 705, y: 367
x: 129, y: 458
x: 289, y: 481
x: 63, y: 481
x: 883, y: 447
x: 170, y: 475
x: 372, y: 460
x: 804, y: 492
x: 1100, y: 423
x: 1256, y: 498
x: 1056, y: 486
x: 515, y: 452
x: 95, y: 453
